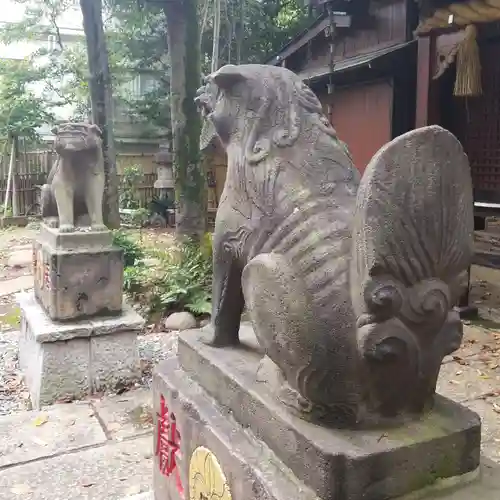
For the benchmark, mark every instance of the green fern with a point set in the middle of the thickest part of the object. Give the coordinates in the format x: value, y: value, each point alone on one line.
x: 182, y: 279
x: 200, y: 303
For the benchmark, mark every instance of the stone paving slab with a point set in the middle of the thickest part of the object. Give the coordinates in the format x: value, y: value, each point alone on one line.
x: 126, y: 415
x: 476, y: 340
x: 489, y: 411
x: 108, y: 472
x: 8, y: 287
x: 486, y: 487
x: 21, y: 258
x: 33, y: 435
x: 142, y: 496
x: 465, y: 382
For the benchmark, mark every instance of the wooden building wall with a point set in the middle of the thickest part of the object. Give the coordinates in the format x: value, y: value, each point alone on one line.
x: 387, y: 26
x: 362, y: 118
x: 364, y: 111
x: 368, y: 108
x: 474, y: 120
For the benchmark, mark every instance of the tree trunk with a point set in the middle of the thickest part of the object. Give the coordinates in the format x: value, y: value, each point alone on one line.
x: 101, y: 98
x: 190, y: 184
x: 215, y: 46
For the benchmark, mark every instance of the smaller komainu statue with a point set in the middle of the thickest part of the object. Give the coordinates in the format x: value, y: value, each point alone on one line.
x: 75, y: 185
x: 350, y: 283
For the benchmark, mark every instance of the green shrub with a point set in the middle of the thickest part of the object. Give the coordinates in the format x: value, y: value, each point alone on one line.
x: 129, y: 192
x: 182, y: 280
x: 132, y: 251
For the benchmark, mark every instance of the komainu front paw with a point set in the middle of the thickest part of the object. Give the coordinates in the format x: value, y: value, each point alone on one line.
x: 99, y: 227
x: 66, y: 228
x: 51, y: 222
x: 224, y: 339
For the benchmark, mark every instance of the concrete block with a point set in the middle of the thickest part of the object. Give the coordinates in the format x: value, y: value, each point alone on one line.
x: 64, y: 361
x: 53, y: 370
x: 114, y: 360
x: 210, y: 389
x: 77, y: 275
x: 251, y: 470
x: 80, y: 238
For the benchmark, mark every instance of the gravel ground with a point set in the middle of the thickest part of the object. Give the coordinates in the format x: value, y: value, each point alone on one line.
x: 13, y: 393
x: 14, y: 396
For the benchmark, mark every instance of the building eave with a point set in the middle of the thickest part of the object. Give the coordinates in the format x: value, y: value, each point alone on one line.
x: 315, y: 29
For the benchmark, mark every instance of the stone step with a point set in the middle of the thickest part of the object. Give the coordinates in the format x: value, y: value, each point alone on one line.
x: 110, y: 472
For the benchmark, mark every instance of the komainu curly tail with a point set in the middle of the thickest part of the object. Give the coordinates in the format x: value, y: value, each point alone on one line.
x: 412, y: 239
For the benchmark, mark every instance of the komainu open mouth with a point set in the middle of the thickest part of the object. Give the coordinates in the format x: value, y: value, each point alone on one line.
x: 203, y: 101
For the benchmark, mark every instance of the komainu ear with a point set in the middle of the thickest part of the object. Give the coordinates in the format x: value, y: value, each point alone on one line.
x: 228, y: 76
x: 96, y: 129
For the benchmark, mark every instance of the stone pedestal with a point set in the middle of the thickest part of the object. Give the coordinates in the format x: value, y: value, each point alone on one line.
x: 65, y: 361
x: 220, y: 431
x: 77, y: 274
x: 77, y: 334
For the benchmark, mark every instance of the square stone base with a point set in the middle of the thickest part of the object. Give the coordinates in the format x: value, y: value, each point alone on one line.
x: 237, y: 461
x: 77, y: 274
x: 65, y: 361
x: 218, y: 404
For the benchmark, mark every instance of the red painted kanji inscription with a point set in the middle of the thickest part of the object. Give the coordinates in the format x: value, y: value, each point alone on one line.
x: 168, y: 444
x: 46, y: 276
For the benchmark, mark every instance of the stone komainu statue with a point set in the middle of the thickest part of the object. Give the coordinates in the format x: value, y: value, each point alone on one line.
x: 75, y: 185
x: 350, y: 284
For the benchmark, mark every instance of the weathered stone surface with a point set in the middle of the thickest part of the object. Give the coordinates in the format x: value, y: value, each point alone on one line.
x: 334, y: 460
x: 142, y: 496
x: 20, y: 259
x: 303, y: 461
x: 129, y: 321
x: 126, y: 415
x: 489, y: 412
x: 41, y: 326
x: 75, y: 185
x: 347, y: 285
x: 32, y: 435
x: 67, y: 361
x: 487, y: 487
x: 180, y: 321
x: 253, y: 471
x: 73, y: 284
x: 14, y: 285
x: 83, y: 237
x: 475, y: 340
x: 114, y: 360
x: 204, y: 323
x: 55, y: 370
x: 109, y: 472
x: 466, y: 382
x: 45, y: 330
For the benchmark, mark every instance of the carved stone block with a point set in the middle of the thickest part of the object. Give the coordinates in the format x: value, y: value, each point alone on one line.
x: 64, y: 361
x: 266, y: 452
x: 77, y: 274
